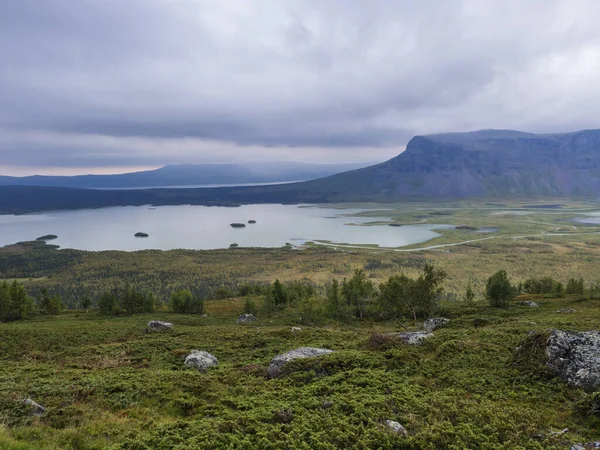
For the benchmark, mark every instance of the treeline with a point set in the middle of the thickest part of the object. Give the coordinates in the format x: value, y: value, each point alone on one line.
x: 354, y: 298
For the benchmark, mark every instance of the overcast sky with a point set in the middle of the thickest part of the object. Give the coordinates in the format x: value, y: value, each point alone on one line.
x: 112, y: 85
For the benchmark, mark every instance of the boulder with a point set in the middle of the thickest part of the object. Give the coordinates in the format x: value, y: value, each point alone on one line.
x: 588, y: 446
x: 395, y: 427
x: 279, y: 361
x: 201, y: 360
x: 411, y: 337
x: 158, y: 326
x: 530, y: 304
x: 35, y: 408
x: 575, y: 357
x: 565, y: 310
x: 434, y: 323
x: 296, y: 330
x: 246, y: 318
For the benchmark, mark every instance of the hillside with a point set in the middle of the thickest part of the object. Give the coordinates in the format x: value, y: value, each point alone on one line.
x: 488, y: 164
x: 190, y: 174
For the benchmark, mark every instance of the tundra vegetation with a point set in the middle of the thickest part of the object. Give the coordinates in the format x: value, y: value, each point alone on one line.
x: 72, y: 339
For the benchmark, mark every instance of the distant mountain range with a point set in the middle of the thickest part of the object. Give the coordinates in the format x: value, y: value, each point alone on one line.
x: 487, y: 164
x: 191, y: 174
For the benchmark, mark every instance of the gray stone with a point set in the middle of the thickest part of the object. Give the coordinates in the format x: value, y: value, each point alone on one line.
x: 201, y: 360
x: 296, y: 330
x: 35, y: 408
x: 395, y: 427
x: 588, y: 446
x: 529, y: 304
x: 279, y: 361
x: 575, y: 357
x: 411, y: 337
x: 246, y: 318
x: 565, y: 310
x: 327, y: 404
x: 159, y: 326
x: 434, y: 323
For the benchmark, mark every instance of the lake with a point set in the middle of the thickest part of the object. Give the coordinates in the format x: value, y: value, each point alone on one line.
x: 203, y: 227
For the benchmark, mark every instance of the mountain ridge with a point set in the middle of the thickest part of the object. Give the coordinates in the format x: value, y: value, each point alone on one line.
x: 489, y: 164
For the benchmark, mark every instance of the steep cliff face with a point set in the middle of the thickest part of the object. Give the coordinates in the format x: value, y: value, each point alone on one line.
x: 489, y: 163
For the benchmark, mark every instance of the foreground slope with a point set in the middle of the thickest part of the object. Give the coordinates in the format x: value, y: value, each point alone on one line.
x: 496, y: 164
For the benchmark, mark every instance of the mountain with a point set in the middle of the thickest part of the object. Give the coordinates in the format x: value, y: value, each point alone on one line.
x: 190, y: 174
x: 487, y: 164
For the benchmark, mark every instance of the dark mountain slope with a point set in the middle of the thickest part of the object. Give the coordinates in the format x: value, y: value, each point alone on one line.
x: 485, y: 164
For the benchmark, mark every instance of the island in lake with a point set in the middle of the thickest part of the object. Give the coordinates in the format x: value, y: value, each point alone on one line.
x: 47, y: 237
x: 238, y: 225
x: 141, y: 235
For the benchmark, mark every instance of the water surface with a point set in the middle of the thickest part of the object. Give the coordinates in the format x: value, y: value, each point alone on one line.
x: 204, y: 227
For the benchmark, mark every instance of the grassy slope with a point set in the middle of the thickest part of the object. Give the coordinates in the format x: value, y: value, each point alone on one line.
x: 105, y: 383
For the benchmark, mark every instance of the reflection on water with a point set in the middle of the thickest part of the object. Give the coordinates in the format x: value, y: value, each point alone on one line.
x: 203, y: 227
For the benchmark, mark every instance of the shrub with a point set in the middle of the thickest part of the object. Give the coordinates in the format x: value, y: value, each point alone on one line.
x: 498, y: 290
x: 358, y: 292
x: 49, y: 305
x: 250, y: 306
x: 575, y: 286
x: 545, y: 285
x: 403, y: 296
x: 107, y: 304
x: 184, y: 302
x: 469, y: 294
x: 311, y: 310
x: 222, y: 293
x: 15, y: 304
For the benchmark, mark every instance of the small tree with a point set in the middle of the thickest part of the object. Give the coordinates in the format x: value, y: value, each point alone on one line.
x: 335, y: 303
x: 49, y: 305
x: 469, y: 294
x: 358, y: 292
x: 15, y: 304
x: 86, y: 302
x: 107, y: 304
x: 280, y: 295
x: 250, y: 306
x: 184, y: 302
x: 498, y: 290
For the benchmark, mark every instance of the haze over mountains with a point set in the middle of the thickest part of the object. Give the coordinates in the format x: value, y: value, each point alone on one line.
x: 487, y: 164
x: 191, y: 174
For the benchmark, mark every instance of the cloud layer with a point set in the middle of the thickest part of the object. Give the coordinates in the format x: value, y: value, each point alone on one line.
x: 112, y: 83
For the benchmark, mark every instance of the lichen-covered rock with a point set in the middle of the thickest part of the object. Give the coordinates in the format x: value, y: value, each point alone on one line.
x: 158, y: 326
x: 35, y: 408
x: 434, y: 323
x: 201, y: 360
x: 279, y: 361
x: 246, y: 318
x: 588, y: 446
x: 530, y: 304
x: 575, y: 356
x: 395, y: 427
x: 411, y: 337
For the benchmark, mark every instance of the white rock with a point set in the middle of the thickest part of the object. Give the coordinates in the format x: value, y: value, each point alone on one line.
x: 201, y: 360
x: 246, y: 318
x: 279, y: 361
x: 434, y: 323
x: 395, y: 427
x: 296, y: 330
x: 411, y: 337
x: 159, y: 325
x: 36, y: 409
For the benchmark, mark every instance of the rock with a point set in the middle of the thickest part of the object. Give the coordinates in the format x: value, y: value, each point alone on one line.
x: 575, y: 357
x: 36, y: 409
x: 395, y: 427
x: 296, y: 330
x: 201, y: 360
x: 565, y: 310
x: 279, y: 361
x: 159, y: 325
x: 529, y: 303
x: 588, y: 446
x: 246, y: 318
x: 411, y: 337
x: 434, y: 323
x: 327, y: 404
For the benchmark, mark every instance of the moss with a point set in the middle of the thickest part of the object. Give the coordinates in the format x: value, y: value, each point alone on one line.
x: 530, y: 355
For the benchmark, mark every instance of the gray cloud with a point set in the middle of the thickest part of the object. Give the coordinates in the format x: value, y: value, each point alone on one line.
x: 114, y: 83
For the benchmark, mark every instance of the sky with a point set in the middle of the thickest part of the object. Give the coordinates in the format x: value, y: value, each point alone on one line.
x: 108, y: 86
